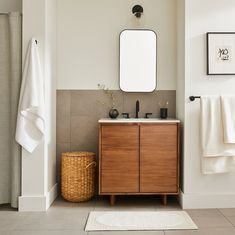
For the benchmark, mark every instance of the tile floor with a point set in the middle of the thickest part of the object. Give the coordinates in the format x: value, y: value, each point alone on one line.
x: 64, y: 218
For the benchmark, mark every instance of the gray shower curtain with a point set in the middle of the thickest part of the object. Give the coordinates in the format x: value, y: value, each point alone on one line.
x: 10, y: 80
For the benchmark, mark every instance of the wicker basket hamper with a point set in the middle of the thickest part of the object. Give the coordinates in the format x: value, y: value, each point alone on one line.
x: 78, y: 176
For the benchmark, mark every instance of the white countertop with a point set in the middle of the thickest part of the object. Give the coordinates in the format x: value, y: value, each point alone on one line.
x: 138, y: 120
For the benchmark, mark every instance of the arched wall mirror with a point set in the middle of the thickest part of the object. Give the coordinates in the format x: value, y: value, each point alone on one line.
x: 138, y: 60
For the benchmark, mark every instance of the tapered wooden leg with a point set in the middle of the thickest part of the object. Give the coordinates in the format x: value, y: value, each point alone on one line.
x: 112, y: 200
x: 164, y: 199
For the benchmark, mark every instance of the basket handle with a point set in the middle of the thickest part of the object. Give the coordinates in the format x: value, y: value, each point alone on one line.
x: 90, y: 164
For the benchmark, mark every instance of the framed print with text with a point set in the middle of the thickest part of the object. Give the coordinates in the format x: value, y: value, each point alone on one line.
x: 221, y: 53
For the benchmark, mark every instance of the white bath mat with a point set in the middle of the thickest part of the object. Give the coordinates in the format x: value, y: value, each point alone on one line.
x: 138, y: 220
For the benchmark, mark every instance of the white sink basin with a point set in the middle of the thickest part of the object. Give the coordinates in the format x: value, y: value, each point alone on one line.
x: 138, y: 120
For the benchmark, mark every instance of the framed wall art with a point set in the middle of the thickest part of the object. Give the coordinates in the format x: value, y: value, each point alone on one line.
x: 221, y: 53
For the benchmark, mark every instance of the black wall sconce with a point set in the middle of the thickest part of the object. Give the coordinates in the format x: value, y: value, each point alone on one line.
x: 137, y: 10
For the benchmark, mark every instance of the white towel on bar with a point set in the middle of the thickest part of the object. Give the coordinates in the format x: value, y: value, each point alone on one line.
x: 31, y: 114
x: 217, y: 157
x: 228, y: 117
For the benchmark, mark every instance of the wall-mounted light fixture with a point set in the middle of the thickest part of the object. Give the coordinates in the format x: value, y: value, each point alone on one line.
x: 137, y: 10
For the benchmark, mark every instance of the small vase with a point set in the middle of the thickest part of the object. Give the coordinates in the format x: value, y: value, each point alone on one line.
x: 113, y: 113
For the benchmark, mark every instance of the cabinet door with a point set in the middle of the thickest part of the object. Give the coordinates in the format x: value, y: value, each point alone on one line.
x: 119, y: 170
x: 159, y: 158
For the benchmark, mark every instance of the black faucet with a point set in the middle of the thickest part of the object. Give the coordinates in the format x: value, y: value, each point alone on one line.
x: 137, y: 109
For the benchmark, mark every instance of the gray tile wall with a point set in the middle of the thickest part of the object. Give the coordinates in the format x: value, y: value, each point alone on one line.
x: 78, y: 112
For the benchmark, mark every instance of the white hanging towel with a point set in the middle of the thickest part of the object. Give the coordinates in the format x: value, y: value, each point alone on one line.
x: 228, y: 117
x: 31, y: 114
x: 217, y: 156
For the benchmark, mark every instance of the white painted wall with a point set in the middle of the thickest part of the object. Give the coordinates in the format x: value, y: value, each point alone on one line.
x: 88, y: 40
x: 10, y: 5
x: 33, y: 165
x: 38, y: 169
x: 88, y: 54
x: 50, y: 89
x: 203, y: 16
x: 180, y: 90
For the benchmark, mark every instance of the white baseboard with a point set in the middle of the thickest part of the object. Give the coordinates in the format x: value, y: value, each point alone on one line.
x: 52, y: 195
x: 32, y: 203
x: 38, y: 203
x: 206, y: 201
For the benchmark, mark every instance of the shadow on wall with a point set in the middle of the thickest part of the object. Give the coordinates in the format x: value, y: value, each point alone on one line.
x: 78, y: 113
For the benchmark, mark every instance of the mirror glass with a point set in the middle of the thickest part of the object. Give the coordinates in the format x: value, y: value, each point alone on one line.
x: 138, y: 60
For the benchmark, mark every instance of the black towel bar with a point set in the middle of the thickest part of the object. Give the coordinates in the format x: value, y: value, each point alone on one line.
x: 192, y: 98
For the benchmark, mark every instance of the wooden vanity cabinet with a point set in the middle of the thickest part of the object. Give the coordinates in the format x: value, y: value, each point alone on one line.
x: 159, y: 158
x: 139, y: 158
x: 119, y: 158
